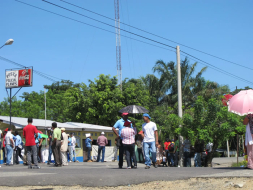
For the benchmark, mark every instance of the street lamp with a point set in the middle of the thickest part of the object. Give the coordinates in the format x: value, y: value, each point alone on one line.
x: 8, y: 42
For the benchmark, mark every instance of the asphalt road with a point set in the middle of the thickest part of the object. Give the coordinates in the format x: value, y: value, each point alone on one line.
x: 99, y: 174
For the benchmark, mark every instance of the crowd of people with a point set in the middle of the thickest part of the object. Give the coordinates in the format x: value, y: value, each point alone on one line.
x: 150, y: 148
x: 60, y: 145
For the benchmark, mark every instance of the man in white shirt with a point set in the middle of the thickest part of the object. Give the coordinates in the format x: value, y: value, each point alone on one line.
x: 73, y: 144
x: 150, y: 140
x: 9, y: 144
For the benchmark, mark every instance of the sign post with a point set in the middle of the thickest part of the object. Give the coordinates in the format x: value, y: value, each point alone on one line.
x: 18, y: 79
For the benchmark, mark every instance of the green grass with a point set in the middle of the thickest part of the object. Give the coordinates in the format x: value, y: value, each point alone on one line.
x: 244, y: 163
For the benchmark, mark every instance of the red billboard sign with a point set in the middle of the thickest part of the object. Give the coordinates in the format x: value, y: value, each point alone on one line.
x: 18, y: 78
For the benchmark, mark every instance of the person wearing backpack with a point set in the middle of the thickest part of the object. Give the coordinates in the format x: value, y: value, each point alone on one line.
x: 171, y: 153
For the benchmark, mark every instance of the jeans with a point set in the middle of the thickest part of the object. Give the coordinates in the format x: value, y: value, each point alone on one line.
x: 140, y: 154
x: 101, y: 148
x: 9, y: 154
x: 149, y: 146
x: 32, y: 150
x: 176, y: 158
x: 197, y: 159
x: 49, y: 154
x: 171, y: 159
x: 38, y: 153
x: 187, y: 159
x: 18, y: 154
x: 70, y: 153
x: 4, y: 154
x: 74, y: 154
x: 130, y: 154
x: 88, y: 150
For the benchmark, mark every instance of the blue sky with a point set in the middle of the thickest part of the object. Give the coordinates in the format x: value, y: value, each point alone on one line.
x: 76, y: 52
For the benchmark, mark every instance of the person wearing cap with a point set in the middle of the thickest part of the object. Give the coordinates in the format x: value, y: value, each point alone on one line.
x: 150, y: 140
x: 88, y: 141
x: 56, y: 145
x: 102, y: 142
x: 120, y: 125
x: 128, y: 141
x: 64, y: 147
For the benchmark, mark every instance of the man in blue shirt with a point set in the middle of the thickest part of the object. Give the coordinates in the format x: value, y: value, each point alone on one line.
x: 38, y: 141
x: 18, y: 146
x: 70, y: 149
x: 88, y: 146
x: 120, y: 125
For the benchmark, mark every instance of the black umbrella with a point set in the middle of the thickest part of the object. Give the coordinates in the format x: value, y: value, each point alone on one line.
x: 133, y: 109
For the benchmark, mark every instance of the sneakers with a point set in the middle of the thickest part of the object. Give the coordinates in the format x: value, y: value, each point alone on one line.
x: 30, y: 167
x: 70, y: 161
x: 147, y: 167
x: 89, y: 161
x: 128, y: 168
x: 35, y: 167
x: 135, y: 167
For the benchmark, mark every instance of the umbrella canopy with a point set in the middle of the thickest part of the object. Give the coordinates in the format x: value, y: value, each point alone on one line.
x: 133, y: 109
x: 44, y: 136
x: 226, y: 99
x: 241, y: 103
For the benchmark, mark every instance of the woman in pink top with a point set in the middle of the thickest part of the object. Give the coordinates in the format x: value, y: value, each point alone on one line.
x: 128, y: 141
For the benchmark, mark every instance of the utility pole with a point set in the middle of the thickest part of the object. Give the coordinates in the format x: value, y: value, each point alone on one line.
x: 237, y: 141
x: 180, y: 111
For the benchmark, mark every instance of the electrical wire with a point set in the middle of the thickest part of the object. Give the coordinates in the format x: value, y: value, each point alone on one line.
x: 158, y: 36
x: 108, y: 24
x: 92, y: 25
x: 213, y: 67
x: 46, y: 76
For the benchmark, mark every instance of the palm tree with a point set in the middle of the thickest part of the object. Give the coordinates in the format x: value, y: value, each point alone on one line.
x: 168, y: 81
x: 152, y: 84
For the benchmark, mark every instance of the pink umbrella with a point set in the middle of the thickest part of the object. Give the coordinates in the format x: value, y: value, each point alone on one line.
x: 241, y: 103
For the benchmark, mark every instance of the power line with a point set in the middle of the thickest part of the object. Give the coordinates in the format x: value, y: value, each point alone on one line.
x: 213, y: 67
x: 158, y: 36
x: 46, y: 76
x: 216, y: 68
x: 91, y: 25
x: 108, y: 24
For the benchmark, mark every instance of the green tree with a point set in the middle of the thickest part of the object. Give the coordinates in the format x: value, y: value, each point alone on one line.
x: 105, y: 100
x: 211, y: 122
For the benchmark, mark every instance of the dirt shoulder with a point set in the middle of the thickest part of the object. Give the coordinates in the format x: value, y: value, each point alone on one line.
x: 193, y: 183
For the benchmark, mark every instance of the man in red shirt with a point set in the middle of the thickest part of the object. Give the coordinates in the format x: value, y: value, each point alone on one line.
x: 166, y: 147
x: 28, y: 132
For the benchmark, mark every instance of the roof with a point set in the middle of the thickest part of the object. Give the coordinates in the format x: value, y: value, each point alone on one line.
x: 90, y: 127
x: 20, y: 123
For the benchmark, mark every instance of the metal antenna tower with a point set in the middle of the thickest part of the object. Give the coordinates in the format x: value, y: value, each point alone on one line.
x: 118, y: 43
